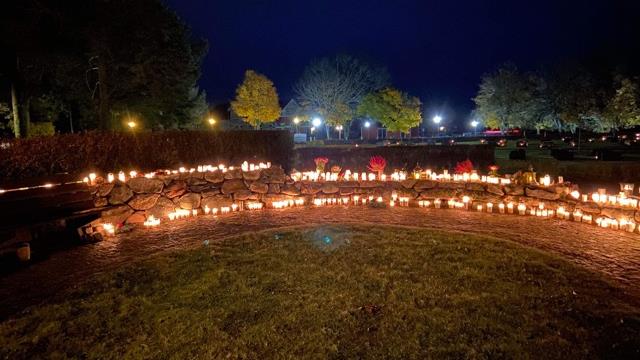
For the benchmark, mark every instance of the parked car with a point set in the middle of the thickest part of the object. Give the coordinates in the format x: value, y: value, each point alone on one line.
x: 546, y: 144
x: 522, y: 143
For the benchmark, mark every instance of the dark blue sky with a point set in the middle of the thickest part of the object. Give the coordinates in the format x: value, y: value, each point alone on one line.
x: 437, y: 50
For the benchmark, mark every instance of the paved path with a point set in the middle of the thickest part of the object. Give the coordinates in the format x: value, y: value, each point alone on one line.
x: 615, y: 254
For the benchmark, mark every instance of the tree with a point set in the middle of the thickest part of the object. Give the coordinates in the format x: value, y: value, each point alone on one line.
x: 502, y: 97
x: 623, y: 109
x: 396, y: 110
x: 101, y: 60
x: 333, y: 87
x: 256, y: 100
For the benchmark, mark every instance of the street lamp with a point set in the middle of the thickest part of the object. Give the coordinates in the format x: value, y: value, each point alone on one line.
x: 316, y: 121
x: 212, y: 121
x: 474, y: 124
x: 296, y: 121
x: 366, y: 124
x: 132, y: 124
x: 437, y: 120
x: 339, y: 128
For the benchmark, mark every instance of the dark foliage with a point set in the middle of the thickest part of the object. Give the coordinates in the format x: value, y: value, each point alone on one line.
x: 148, y: 151
x: 398, y: 157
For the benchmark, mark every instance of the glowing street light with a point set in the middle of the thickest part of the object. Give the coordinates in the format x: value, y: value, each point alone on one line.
x: 316, y: 121
x: 366, y: 124
x: 132, y: 125
x: 339, y: 128
x: 212, y: 121
x: 437, y: 119
x: 474, y: 124
x: 296, y: 121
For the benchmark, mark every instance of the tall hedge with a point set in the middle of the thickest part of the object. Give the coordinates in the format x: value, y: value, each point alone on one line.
x: 146, y: 151
x: 398, y: 157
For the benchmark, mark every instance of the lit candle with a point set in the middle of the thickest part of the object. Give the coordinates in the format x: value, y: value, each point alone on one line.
x: 109, y: 228
x: 465, y: 201
x: 437, y: 203
x: 577, y: 216
x: 489, y: 207
x: 152, y: 221
x: 510, y: 208
x: 501, y: 208
x: 522, y: 208
x: 479, y: 207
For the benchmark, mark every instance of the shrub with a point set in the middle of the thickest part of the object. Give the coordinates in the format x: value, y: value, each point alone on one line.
x: 110, y: 151
x: 41, y: 129
x: 398, y: 157
x: 520, y: 154
x: 463, y: 167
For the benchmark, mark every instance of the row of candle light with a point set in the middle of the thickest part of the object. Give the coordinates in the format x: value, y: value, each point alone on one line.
x: 465, y: 203
x: 122, y: 176
x: 399, y: 176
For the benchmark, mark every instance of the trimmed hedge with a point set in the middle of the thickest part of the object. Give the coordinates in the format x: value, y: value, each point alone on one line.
x: 147, y: 151
x: 398, y: 157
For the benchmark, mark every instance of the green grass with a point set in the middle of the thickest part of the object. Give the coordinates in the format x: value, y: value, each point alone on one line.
x: 374, y: 292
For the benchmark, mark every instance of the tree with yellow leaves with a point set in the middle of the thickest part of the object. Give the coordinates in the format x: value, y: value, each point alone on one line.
x: 396, y: 110
x: 256, y: 100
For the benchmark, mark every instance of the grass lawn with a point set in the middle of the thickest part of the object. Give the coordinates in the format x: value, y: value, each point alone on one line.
x: 336, y: 292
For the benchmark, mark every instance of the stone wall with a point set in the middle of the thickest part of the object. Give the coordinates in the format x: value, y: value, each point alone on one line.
x: 136, y: 199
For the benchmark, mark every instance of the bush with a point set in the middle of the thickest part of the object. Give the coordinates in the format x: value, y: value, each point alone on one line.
x: 111, y: 151
x: 41, y: 129
x: 607, y: 155
x: 397, y: 157
x: 562, y: 154
x: 519, y: 154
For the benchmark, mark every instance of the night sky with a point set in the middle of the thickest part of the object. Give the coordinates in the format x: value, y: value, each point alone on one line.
x: 437, y: 50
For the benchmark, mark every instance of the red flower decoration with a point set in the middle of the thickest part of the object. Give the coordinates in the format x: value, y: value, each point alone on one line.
x: 377, y: 164
x: 321, y: 160
x: 463, y: 167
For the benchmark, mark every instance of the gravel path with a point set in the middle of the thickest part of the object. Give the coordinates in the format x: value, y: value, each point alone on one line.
x: 615, y: 254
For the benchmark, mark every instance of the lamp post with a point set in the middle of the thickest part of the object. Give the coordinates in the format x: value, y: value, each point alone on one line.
x: 474, y: 124
x: 296, y: 121
x: 211, y: 121
x: 339, y: 128
x: 132, y: 125
x: 437, y: 120
x: 366, y: 124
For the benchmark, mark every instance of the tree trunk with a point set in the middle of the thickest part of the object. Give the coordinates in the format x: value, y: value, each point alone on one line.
x: 326, y: 128
x: 103, y: 103
x: 346, y: 130
x: 15, y: 109
x: 26, y: 117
